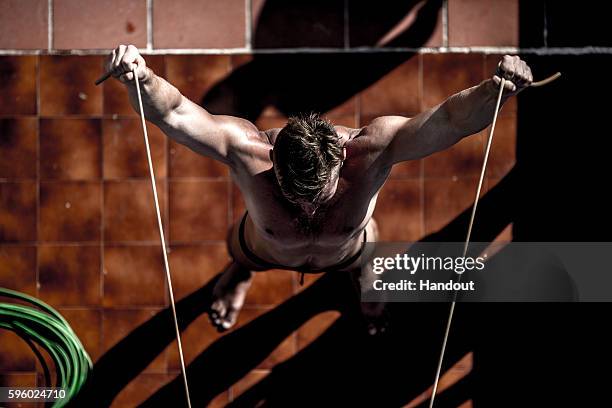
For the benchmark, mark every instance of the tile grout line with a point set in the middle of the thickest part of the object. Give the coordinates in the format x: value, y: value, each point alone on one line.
x: 484, y: 67
x: 311, y: 50
x: 422, y: 162
x: 149, y: 6
x: 586, y: 50
x: 230, y: 203
x: 173, y: 179
x: 20, y: 244
x: 357, y: 117
x: 102, y: 213
x: 118, y: 180
x: 49, y: 25
x: 545, y: 33
x: 122, y: 307
x: 445, y: 24
x: 102, y: 228
x: 347, y: 37
x: 166, y: 181
x: 38, y: 157
x: 248, y: 24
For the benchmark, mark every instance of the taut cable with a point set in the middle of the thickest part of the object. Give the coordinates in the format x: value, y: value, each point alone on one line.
x: 162, y: 239
x: 467, y: 243
x: 451, y: 312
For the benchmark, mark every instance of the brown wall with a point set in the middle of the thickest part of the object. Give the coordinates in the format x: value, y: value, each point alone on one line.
x: 77, y: 225
x: 233, y: 24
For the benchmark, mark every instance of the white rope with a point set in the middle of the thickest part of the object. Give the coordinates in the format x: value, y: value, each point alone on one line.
x: 162, y: 239
x: 467, y: 243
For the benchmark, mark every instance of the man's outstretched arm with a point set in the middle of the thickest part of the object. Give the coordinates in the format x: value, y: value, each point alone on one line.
x: 463, y: 114
x: 216, y: 136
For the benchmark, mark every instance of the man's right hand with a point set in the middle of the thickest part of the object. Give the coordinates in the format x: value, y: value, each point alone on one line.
x: 122, y: 60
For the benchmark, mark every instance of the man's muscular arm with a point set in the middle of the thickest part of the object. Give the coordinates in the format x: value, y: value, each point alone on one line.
x: 463, y: 114
x: 216, y: 136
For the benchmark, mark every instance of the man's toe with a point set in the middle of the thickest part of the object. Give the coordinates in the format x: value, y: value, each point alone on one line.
x: 230, y: 318
x: 217, y: 314
x: 218, y: 309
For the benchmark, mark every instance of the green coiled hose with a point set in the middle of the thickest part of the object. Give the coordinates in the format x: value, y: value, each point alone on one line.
x: 44, y: 326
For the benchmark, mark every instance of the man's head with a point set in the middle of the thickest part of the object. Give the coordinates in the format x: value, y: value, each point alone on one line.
x: 307, y: 159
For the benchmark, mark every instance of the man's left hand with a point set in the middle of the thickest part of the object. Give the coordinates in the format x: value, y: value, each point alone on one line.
x: 516, y: 72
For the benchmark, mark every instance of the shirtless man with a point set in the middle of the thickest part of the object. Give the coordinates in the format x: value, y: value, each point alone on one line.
x: 310, y: 188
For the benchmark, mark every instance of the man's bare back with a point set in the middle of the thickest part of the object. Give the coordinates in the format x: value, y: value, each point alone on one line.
x: 310, y: 211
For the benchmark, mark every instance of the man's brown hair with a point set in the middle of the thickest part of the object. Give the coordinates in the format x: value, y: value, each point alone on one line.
x: 306, y: 152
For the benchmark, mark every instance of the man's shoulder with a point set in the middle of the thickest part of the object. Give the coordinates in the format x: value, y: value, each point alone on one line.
x: 270, y: 135
x: 381, y: 130
x: 370, y: 143
x: 249, y: 136
x: 251, y: 149
x: 366, y: 138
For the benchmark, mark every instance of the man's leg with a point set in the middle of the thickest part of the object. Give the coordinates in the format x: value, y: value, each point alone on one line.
x: 235, y: 281
x: 228, y: 295
x: 374, y: 313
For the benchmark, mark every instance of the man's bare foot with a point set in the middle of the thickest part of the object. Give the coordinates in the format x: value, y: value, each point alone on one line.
x: 374, y: 313
x: 228, y: 296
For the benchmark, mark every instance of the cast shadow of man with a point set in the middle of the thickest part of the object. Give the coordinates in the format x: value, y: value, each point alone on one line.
x: 390, y: 370
x: 300, y: 82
